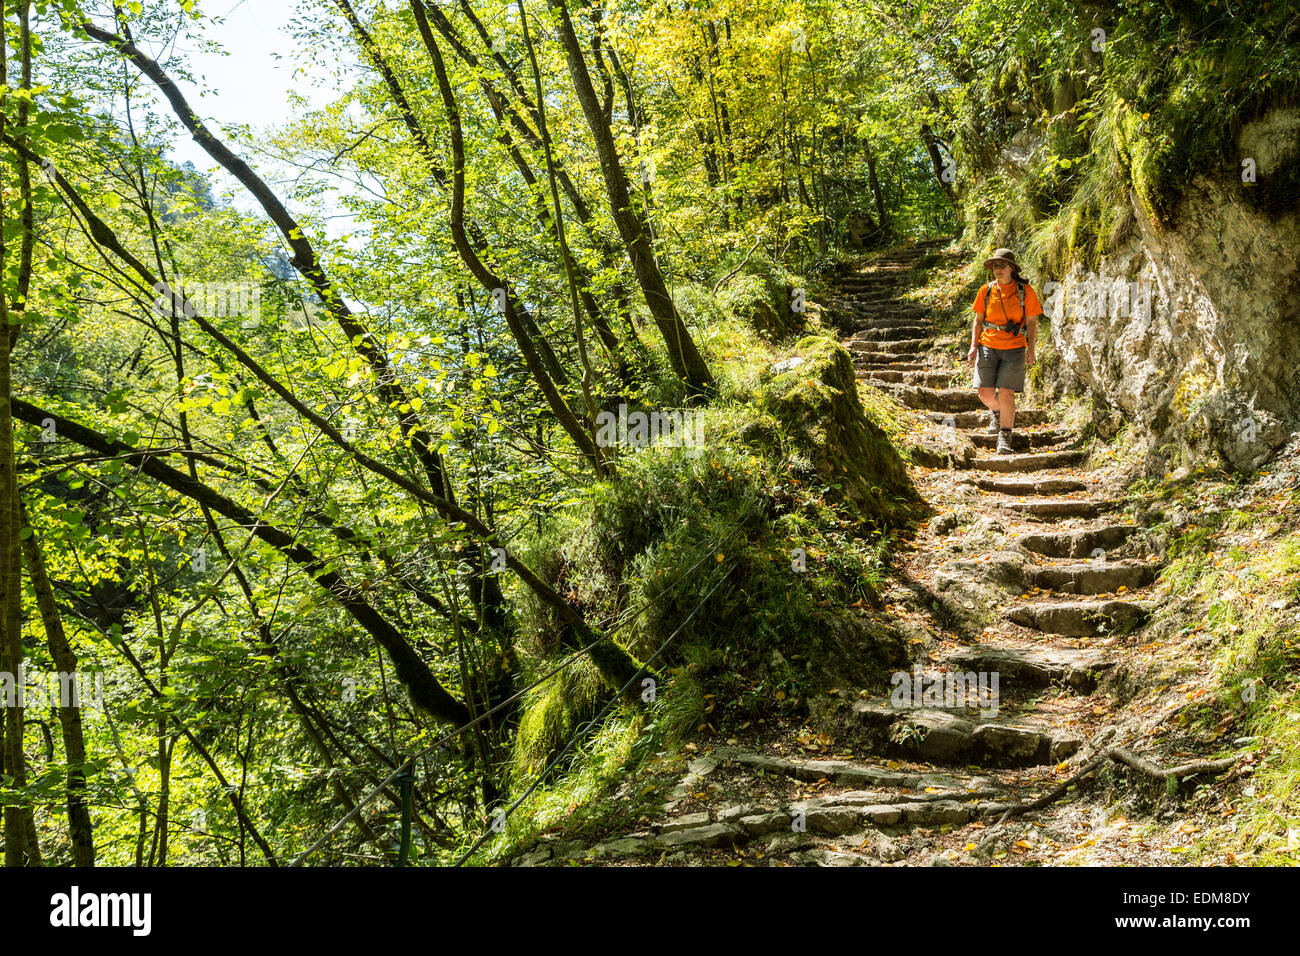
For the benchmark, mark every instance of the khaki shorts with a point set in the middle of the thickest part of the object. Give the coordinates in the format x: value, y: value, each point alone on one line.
x: 1001, y: 368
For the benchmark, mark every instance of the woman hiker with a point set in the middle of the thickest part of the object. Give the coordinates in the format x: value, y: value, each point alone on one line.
x: 1002, y: 341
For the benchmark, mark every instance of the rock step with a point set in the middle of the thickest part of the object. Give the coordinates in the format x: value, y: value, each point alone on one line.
x: 849, y: 773
x: 1061, y: 507
x: 874, y: 298
x: 1030, y: 462
x: 1041, y: 486
x: 859, y: 301
x: 893, y: 359
x: 902, y: 345
x: 870, y: 316
x: 1093, y: 577
x: 892, y: 367
x: 1021, y: 440
x: 965, y: 699
x: 1081, y: 618
x: 924, y: 379
x: 951, y: 400
x: 1035, y: 667
x: 856, y: 347
x: 942, y: 738
x: 861, y: 280
x: 858, y: 320
x: 980, y: 419
x: 877, y: 317
x: 1084, y: 543
x: 892, y: 333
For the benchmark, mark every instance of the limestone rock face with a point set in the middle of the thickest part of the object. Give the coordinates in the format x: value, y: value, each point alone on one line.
x: 1195, y: 335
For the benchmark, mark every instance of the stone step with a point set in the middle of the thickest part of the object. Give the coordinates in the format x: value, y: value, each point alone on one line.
x: 1061, y: 507
x: 1030, y: 462
x: 892, y: 367
x: 876, y: 315
x: 868, y: 280
x: 892, y: 359
x: 1084, y: 543
x: 900, y: 346
x: 1079, y: 618
x: 857, y: 320
x: 1023, y: 441
x: 966, y: 699
x: 850, y: 773
x: 884, y: 286
x: 891, y: 333
x: 1022, y: 486
x: 1076, y: 668
x: 980, y: 419
x: 952, y: 400
x: 942, y: 738
x: 861, y: 300
x: 879, y: 296
x: 1092, y: 577
x: 923, y: 379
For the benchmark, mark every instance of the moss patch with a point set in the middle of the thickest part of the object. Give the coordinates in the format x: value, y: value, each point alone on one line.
x: 817, y: 403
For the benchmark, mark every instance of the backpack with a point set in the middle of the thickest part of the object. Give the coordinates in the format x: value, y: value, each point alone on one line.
x: 1017, y: 327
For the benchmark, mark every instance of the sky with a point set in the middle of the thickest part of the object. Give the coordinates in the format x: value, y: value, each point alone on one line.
x: 247, y: 85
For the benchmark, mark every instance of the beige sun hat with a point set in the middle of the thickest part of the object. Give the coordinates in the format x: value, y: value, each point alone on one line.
x: 1002, y: 255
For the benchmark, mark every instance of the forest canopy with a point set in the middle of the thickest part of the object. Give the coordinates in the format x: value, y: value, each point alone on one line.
x: 327, y: 513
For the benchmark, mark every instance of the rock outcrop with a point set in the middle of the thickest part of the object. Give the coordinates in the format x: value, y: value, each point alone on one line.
x: 1192, y: 332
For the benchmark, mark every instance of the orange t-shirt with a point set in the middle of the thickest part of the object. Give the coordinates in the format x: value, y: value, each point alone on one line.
x: 1005, y: 307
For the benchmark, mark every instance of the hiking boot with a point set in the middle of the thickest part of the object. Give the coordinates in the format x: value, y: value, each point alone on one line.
x: 995, y: 421
x: 1004, y: 442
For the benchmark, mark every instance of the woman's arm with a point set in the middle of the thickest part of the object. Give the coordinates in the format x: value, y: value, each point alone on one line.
x: 976, y: 331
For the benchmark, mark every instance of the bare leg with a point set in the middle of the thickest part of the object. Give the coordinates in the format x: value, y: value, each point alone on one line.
x: 1006, y: 406
x: 989, y: 397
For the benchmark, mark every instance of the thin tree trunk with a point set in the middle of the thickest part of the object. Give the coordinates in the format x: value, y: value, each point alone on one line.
x: 585, y: 442
x: 65, y: 659
x: 16, y: 829
x: 682, y: 352
x: 570, y: 271
x: 879, y: 197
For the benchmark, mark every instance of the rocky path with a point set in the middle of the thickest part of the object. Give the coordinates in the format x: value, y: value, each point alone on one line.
x: 1026, y: 590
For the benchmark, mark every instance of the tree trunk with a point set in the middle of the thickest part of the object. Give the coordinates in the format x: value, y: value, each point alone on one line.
x: 632, y: 227
x: 65, y: 659
x: 17, y: 851
x: 876, y: 194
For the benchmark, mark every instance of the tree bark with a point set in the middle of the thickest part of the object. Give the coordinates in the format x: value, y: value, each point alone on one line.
x: 65, y: 659
x: 634, y: 230
x: 16, y: 817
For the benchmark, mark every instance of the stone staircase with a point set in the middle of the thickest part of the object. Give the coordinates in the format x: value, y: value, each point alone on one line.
x: 1062, y: 577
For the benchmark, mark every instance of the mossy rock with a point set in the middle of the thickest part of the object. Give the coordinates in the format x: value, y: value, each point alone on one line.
x: 764, y: 304
x: 815, y: 397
